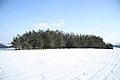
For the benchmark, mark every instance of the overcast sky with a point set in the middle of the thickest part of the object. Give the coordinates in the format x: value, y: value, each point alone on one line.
x: 98, y: 17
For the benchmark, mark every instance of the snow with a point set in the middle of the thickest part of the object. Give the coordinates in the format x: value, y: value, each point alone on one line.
x: 60, y: 64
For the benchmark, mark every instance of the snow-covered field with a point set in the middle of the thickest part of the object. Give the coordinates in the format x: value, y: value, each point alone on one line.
x: 60, y: 64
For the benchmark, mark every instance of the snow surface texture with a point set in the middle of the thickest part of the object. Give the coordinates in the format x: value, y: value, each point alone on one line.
x: 60, y: 64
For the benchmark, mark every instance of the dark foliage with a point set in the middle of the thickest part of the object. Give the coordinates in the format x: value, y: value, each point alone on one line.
x: 50, y: 39
x: 109, y: 46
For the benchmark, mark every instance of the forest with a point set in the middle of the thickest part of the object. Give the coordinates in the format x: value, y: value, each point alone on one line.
x: 53, y: 39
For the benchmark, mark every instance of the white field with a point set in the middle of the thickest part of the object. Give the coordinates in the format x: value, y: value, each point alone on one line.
x: 60, y: 64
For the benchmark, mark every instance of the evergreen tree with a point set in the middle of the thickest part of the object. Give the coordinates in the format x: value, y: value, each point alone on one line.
x: 50, y: 39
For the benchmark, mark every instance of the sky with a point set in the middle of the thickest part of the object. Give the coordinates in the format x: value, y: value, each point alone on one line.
x: 98, y: 17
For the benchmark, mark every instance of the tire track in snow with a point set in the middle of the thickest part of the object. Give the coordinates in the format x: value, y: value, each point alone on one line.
x: 1, y: 68
x: 104, y: 71
x: 25, y: 75
x: 108, y: 68
x: 98, y: 70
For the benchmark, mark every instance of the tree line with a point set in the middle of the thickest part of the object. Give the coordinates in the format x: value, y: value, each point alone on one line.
x: 50, y: 39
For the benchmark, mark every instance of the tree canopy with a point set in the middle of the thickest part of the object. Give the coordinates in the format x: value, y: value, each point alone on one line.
x: 50, y: 39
